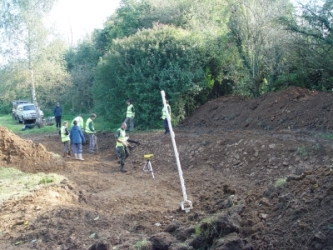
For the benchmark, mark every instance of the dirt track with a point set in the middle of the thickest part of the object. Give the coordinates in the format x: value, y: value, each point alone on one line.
x: 232, y: 153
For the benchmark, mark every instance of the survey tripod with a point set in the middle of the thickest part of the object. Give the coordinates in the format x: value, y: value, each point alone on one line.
x: 148, y: 167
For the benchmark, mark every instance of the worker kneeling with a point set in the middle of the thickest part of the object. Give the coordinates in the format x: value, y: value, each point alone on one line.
x: 122, y: 145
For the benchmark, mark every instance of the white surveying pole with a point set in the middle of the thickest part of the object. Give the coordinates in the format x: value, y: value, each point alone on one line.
x: 185, y: 204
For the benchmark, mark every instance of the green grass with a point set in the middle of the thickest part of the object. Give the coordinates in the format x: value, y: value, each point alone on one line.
x: 302, y: 151
x: 12, y: 125
x: 143, y: 245
x: 279, y: 182
x: 325, y: 136
x: 16, y: 184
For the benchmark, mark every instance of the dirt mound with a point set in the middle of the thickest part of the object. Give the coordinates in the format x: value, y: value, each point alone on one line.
x: 295, y: 215
x: 26, y: 155
x: 292, y: 108
x: 257, y: 173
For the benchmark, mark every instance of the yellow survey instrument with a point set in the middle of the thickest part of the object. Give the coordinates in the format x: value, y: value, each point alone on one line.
x: 148, y: 167
x: 147, y: 157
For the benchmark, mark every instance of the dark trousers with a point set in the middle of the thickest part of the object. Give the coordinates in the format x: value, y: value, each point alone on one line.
x: 58, y: 121
x: 166, y: 126
x: 124, y: 153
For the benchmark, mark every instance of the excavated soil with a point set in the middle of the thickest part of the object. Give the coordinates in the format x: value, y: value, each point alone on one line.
x: 258, y: 173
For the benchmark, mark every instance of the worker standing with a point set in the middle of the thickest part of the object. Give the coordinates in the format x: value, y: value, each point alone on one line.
x: 165, y: 118
x: 65, y: 139
x: 77, y: 138
x: 130, y: 113
x: 57, y: 112
x: 122, y: 145
x: 79, y: 120
x: 90, y: 130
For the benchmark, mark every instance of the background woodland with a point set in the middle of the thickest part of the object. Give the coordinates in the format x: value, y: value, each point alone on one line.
x: 194, y: 50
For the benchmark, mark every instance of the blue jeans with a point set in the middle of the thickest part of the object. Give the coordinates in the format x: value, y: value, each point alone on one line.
x: 77, y: 148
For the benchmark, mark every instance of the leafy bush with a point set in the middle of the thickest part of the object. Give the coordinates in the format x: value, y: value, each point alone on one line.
x: 139, y: 67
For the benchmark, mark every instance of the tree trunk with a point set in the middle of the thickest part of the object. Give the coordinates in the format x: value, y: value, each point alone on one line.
x: 39, y: 121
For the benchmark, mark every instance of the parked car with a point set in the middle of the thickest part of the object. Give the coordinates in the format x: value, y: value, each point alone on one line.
x: 15, y: 103
x: 27, y: 112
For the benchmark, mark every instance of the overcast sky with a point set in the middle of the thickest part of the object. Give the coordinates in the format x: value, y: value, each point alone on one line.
x: 82, y: 16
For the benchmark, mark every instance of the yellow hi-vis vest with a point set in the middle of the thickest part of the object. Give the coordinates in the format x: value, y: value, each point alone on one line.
x: 164, y: 113
x: 122, y: 137
x: 64, y: 137
x: 130, y: 111
x: 79, y: 120
x: 87, y: 130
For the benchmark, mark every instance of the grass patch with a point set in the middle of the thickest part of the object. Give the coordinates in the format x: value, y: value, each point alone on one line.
x: 302, y: 151
x: 16, y: 184
x: 305, y: 151
x: 143, y: 245
x: 325, y: 136
x: 100, y: 125
x: 12, y: 125
x: 279, y: 182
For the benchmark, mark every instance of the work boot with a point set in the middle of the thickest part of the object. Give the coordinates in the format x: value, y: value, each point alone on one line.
x: 122, y: 168
x: 76, y: 156
x: 80, y: 157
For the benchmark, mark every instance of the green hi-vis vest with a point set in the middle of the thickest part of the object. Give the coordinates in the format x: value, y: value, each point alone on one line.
x: 88, y: 130
x: 130, y: 111
x: 64, y: 137
x: 164, y: 113
x: 122, y: 137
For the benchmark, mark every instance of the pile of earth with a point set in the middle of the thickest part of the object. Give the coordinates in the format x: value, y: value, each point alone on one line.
x: 26, y: 155
x: 292, y: 108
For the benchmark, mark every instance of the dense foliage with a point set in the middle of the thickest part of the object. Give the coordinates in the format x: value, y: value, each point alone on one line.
x: 194, y: 50
x: 140, y: 66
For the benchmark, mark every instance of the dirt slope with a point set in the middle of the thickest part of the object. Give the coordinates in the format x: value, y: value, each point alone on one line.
x: 257, y: 172
x: 293, y: 108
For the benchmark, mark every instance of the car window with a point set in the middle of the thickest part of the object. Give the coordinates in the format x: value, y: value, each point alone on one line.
x: 29, y: 107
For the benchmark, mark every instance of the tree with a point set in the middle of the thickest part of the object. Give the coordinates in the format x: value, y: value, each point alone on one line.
x: 25, y: 34
x: 138, y: 67
x: 313, y: 45
x: 257, y: 37
x: 81, y: 64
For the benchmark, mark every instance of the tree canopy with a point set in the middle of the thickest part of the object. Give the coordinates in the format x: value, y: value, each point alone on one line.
x: 194, y: 50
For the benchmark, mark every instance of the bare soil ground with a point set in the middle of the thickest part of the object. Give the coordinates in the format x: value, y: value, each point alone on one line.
x: 258, y: 173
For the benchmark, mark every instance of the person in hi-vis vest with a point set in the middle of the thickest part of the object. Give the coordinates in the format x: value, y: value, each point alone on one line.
x: 90, y: 130
x: 130, y: 113
x: 122, y: 145
x: 64, y: 133
x: 164, y: 117
x: 79, y: 120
